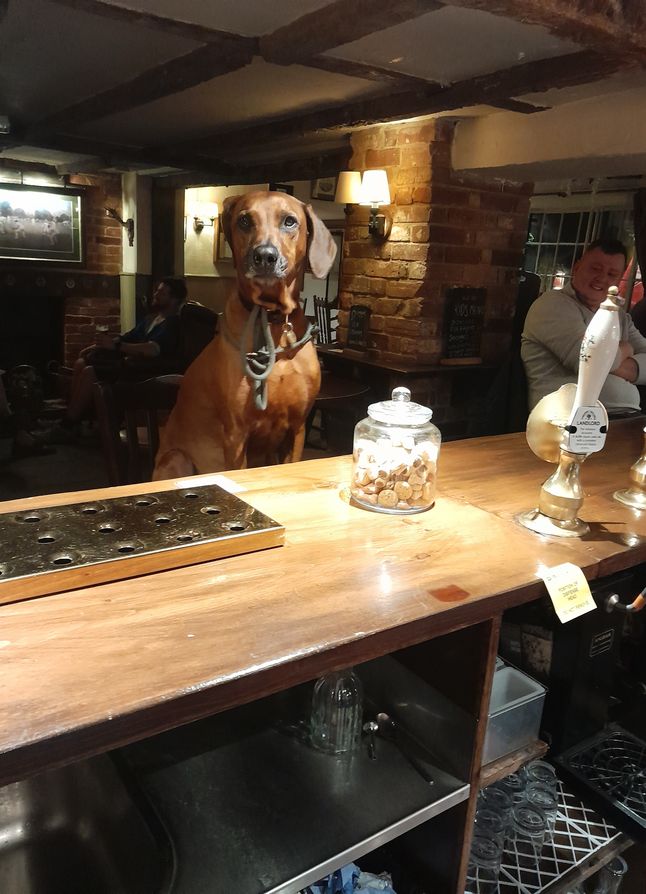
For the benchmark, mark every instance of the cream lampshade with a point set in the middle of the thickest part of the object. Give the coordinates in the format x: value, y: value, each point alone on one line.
x: 375, y: 192
x: 374, y: 188
x: 348, y: 188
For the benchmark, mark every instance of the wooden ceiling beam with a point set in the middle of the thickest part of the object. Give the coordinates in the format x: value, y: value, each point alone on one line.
x: 113, y: 155
x: 324, y: 165
x: 338, y: 23
x: 365, y: 71
x: 32, y: 167
x: 179, y: 28
x: 500, y: 86
x: 402, y: 80
x: 595, y: 24
x: 170, y: 77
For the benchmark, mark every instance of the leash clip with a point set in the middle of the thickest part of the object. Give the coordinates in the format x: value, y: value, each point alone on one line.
x: 287, y: 335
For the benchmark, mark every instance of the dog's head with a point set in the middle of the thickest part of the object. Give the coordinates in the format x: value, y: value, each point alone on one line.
x: 274, y: 238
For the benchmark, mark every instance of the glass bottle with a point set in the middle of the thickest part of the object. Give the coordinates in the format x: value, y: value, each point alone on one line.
x: 395, y: 457
x: 337, y: 706
x: 609, y: 878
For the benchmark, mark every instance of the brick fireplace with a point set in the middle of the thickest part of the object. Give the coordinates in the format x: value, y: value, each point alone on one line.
x: 70, y: 301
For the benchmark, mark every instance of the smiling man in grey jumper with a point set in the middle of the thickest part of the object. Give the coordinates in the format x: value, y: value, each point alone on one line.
x: 557, y: 321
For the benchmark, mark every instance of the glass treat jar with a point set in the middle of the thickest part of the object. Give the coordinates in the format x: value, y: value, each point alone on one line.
x: 395, y: 457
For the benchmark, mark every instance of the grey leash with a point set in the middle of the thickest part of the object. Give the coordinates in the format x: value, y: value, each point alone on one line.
x: 258, y: 363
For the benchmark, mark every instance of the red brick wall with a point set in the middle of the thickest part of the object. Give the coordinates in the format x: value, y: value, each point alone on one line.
x: 448, y: 230
x: 102, y: 244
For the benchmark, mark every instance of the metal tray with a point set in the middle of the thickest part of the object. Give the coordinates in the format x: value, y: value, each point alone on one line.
x: 65, y: 547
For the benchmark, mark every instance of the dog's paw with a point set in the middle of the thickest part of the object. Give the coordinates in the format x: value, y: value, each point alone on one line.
x: 173, y: 464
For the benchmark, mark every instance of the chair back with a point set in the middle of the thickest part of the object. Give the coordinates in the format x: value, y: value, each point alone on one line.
x: 198, y: 325
x: 135, y: 407
x: 326, y: 325
x: 505, y: 407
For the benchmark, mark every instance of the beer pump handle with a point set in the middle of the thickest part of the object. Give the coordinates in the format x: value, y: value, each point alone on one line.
x: 598, y: 352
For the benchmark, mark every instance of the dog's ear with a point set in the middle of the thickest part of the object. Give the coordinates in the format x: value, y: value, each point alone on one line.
x: 321, y: 247
x: 225, y: 217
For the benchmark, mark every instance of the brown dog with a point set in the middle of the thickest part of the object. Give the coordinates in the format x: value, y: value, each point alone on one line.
x: 216, y: 423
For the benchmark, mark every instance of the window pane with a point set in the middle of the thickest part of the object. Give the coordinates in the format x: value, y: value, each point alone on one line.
x: 551, y: 228
x: 546, y: 260
x: 564, y: 259
x: 531, y: 254
x: 534, y: 231
x: 570, y: 228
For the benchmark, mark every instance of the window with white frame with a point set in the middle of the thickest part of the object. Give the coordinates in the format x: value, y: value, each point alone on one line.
x: 560, y: 229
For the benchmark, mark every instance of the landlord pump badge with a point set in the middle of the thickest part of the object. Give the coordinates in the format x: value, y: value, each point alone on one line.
x: 569, y: 591
x: 586, y: 432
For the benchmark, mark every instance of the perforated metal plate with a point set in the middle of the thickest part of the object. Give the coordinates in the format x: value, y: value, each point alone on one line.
x: 66, y: 547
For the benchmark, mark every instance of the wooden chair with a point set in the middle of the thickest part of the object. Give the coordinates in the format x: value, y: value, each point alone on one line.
x: 339, y: 405
x: 327, y: 325
x: 128, y: 414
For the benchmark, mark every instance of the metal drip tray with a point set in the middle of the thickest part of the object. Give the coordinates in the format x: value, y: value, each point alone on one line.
x: 81, y: 544
x: 612, y: 766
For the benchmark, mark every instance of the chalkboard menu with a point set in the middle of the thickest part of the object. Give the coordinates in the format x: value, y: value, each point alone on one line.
x: 358, y: 326
x: 463, y: 318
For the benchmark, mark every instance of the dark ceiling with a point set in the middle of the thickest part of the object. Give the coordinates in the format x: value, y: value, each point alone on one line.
x: 247, y: 91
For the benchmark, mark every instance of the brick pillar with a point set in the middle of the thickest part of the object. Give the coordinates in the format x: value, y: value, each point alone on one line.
x: 448, y: 230
x: 102, y: 255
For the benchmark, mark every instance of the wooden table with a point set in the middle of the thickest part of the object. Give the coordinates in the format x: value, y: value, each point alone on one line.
x: 462, y: 387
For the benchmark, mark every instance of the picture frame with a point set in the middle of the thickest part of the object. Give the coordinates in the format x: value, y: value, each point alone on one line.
x: 221, y: 248
x: 323, y: 189
x: 282, y: 187
x: 40, y: 224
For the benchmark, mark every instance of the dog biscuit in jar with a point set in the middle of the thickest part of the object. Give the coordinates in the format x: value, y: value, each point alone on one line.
x: 395, y: 453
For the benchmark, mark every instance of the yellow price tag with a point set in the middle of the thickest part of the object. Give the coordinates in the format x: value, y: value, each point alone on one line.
x: 569, y: 591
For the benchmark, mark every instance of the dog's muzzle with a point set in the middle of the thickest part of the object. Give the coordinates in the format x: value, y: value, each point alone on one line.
x: 265, y: 262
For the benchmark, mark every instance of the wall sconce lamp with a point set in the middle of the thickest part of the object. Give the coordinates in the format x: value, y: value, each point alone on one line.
x: 204, y: 215
x: 128, y: 225
x: 375, y: 192
x: 370, y: 189
x: 348, y: 190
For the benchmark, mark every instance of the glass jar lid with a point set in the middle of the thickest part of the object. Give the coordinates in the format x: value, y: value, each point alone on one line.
x: 401, y: 410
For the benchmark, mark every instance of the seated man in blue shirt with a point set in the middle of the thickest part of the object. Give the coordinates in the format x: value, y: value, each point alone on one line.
x: 156, y: 337
x: 556, y: 323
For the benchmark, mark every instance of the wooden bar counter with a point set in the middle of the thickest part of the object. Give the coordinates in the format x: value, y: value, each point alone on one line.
x: 90, y: 669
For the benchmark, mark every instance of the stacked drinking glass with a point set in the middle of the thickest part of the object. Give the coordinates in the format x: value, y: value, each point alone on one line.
x: 520, y: 809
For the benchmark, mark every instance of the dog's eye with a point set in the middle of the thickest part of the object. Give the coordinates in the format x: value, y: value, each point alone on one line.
x: 244, y: 222
x: 290, y: 222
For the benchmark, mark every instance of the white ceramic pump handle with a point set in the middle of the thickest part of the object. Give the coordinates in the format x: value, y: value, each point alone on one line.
x: 598, y: 351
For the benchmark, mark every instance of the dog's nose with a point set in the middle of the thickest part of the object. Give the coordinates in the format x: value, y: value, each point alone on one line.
x: 265, y: 257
